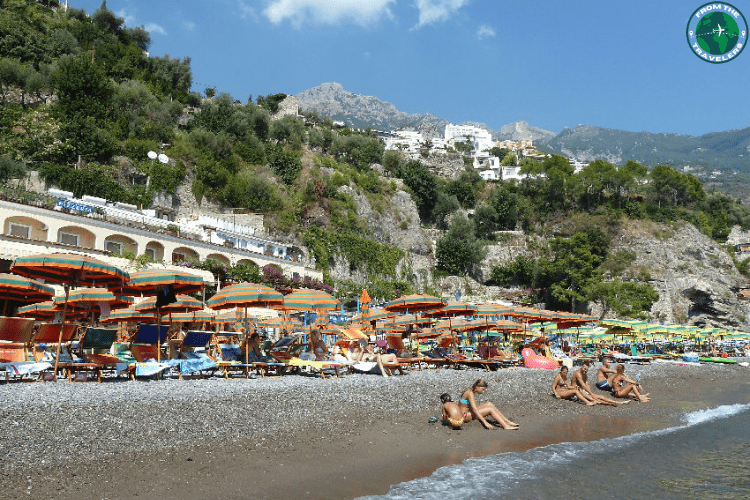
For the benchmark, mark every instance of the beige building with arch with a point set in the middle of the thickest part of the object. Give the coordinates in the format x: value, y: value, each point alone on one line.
x: 29, y: 230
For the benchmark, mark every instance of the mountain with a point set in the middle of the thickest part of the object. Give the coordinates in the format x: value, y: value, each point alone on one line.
x: 723, y: 150
x: 362, y: 111
x: 520, y: 131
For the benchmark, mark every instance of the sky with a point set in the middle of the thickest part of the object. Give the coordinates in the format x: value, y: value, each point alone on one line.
x: 552, y: 63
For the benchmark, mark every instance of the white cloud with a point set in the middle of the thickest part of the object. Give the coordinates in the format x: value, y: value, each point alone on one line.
x: 485, y: 32
x: 155, y: 28
x: 433, y: 11
x: 189, y: 25
x: 299, y: 12
x: 246, y: 11
x: 128, y: 16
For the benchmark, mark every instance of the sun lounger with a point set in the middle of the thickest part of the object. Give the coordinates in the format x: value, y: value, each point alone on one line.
x: 230, y: 358
x: 94, y: 348
x: 192, y: 362
x: 457, y: 361
x: 285, y: 350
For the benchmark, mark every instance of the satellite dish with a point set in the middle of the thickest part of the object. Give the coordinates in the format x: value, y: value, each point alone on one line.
x: 151, y: 154
x: 163, y: 158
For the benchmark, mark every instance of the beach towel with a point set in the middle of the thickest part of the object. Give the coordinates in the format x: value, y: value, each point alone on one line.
x: 151, y: 368
x: 196, y: 362
x: 28, y: 367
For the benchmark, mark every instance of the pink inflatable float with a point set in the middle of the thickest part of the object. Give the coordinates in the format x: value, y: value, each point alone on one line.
x: 533, y: 360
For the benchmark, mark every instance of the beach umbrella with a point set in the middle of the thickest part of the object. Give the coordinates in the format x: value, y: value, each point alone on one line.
x: 149, y: 282
x: 309, y: 300
x: 69, y: 270
x: 402, y: 321
x: 373, y: 315
x: 47, y: 311
x: 245, y: 295
x: 129, y: 315
x: 90, y: 298
x: 414, y: 303
x: 165, y: 284
x: 182, y: 303
x: 23, y: 290
x: 197, y: 316
x: 492, y: 309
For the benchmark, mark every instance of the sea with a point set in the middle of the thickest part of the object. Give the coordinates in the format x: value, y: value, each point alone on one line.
x: 706, y: 456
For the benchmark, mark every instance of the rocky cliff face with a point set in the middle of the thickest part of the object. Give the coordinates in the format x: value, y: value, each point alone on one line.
x: 362, y: 111
x: 522, y: 131
x: 696, y: 280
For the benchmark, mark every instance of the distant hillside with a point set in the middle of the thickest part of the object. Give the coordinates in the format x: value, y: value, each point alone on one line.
x: 726, y: 152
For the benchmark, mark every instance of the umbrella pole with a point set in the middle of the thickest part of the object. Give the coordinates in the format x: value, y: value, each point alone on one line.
x: 62, y: 326
x: 158, y: 334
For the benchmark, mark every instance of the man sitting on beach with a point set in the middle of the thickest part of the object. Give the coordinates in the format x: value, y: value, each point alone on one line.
x: 603, y: 376
x: 580, y: 380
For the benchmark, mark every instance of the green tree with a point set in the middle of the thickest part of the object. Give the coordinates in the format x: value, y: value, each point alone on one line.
x: 423, y: 185
x: 10, y: 168
x: 485, y: 222
x: 626, y: 298
x: 458, y: 252
x: 285, y: 164
x: 510, y: 160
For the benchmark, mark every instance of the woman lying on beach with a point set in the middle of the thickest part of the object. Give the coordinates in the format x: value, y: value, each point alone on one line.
x: 467, y: 403
x: 563, y: 390
x: 451, y: 412
x: 622, y: 386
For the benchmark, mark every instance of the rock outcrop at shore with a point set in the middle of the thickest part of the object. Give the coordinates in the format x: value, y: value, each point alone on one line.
x: 696, y: 279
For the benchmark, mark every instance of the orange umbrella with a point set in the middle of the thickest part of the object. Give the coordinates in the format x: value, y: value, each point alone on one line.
x: 184, y: 303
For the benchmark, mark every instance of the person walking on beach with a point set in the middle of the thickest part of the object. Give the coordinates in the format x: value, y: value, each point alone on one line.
x: 580, y: 380
x: 451, y: 412
x: 622, y: 386
x: 603, y: 376
x: 562, y: 389
x: 467, y: 403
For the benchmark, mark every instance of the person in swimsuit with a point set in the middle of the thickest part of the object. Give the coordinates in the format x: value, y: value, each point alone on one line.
x: 580, y: 380
x: 603, y: 376
x: 622, y: 386
x: 451, y: 412
x: 317, y: 346
x: 468, y: 405
x: 563, y: 390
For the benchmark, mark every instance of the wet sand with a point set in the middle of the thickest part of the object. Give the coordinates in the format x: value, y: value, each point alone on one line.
x: 373, y: 432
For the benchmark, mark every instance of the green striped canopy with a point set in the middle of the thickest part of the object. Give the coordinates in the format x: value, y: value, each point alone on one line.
x: 245, y: 295
x: 452, y: 310
x: 128, y: 315
x: 184, y: 303
x: 147, y: 282
x: 85, y: 298
x: 46, y: 311
x: 309, y: 300
x: 25, y: 290
x: 70, y: 269
x: 415, y: 303
x: 201, y: 316
x: 490, y: 309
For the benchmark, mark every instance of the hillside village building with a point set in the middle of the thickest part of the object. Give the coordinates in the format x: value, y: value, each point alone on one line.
x: 106, y: 230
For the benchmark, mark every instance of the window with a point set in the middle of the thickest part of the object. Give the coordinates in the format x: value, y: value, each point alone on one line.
x: 19, y: 230
x: 177, y: 257
x: 68, y: 239
x: 151, y: 253
x: 113, y: 247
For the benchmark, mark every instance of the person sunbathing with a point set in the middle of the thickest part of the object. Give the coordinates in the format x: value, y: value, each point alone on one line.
x: 254, y: 353
x: 624, y: 387
x: 580, y: 380
x: 317, y: 346
x: 603, y: 376
x: 468, y: 405
x: 451, y: 412
x: 562, y: 389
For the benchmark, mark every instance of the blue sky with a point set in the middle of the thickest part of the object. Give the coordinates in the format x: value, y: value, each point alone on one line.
x: 623, y: 65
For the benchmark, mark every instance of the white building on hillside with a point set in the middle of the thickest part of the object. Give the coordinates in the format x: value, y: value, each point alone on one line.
x: 479, y: 138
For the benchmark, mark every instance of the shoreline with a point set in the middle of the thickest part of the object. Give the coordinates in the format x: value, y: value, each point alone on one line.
x: 301, y: 436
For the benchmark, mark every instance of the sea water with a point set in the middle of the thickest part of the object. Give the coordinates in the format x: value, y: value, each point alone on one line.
x: 705, y: 457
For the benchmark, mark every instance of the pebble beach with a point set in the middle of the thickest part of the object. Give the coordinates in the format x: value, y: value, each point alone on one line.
x: 298, y: 435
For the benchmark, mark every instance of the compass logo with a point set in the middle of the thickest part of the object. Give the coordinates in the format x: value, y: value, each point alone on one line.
x: 717, y: 32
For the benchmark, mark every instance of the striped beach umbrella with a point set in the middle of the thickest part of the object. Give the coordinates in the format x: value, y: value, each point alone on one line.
x: 452, y: 310
x: 24, y: 290
x: 492, y: 309
x: 245, y: 295
x: 198, y: 316
x: 129, y: 315
x: 184, y: 303
x: 150, y: 281
x: 415, y: 303
x: 309, y: 300
x: 86, y: 298
x: 70, y: 269
x: 48, y: 311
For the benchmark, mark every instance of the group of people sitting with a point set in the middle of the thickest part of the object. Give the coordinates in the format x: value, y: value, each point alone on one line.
x: 360, y: 351
x: 467, y: 409
x: 607, y: 379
